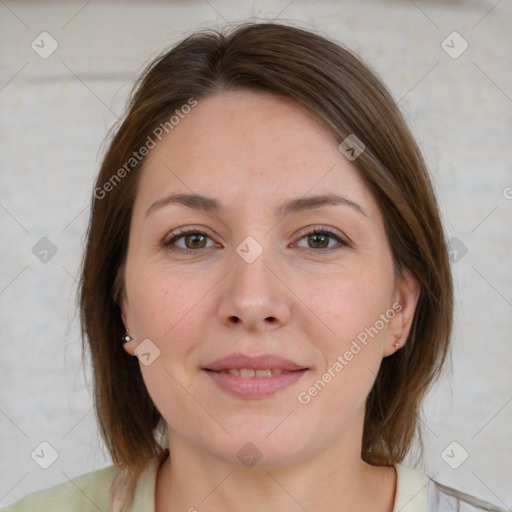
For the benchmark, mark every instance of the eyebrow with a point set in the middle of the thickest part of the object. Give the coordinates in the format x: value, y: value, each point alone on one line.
x: 209, y: 204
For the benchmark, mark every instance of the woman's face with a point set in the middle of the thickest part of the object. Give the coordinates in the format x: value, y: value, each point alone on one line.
x: 251, y: 278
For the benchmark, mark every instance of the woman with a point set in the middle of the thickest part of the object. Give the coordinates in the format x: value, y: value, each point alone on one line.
x: 266, y: 293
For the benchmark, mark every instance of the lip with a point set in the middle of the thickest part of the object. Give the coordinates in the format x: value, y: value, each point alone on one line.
x: 254, y: 387
x: 260, y: 362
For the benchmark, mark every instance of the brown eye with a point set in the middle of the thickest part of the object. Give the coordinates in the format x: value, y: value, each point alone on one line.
x: 196, y: 241
x: 191, y: 241
x: 320, y: 239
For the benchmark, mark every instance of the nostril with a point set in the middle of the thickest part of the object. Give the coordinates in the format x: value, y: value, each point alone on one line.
x: 270, y: 319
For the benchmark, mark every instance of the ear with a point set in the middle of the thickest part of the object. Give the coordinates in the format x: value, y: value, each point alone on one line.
x: 405, y: 299
x: 124, y: 305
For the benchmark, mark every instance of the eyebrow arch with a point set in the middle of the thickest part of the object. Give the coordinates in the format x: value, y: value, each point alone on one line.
x: 209, y: 204
x: 196, y: 201
x: 308, y: 203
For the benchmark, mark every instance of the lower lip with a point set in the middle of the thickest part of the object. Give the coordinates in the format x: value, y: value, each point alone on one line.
x: 254, y: 387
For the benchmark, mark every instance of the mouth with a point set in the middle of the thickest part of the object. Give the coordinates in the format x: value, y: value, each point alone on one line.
x: 254, y: 377
x: 245, y: 363
x: 247, y: 373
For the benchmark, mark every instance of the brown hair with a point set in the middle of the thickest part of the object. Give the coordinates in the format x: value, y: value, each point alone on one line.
x: 339, y: 89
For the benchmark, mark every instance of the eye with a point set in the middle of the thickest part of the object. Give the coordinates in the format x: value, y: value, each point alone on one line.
x: 319, y: 239
x: 192, y: 240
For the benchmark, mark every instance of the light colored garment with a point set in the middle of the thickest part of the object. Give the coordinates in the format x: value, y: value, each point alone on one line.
x: 415, y: 492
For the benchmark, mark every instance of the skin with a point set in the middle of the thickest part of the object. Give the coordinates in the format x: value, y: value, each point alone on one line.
x: 253, y: 151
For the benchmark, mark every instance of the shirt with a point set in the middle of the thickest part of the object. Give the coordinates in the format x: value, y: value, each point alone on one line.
x: 415, y: 492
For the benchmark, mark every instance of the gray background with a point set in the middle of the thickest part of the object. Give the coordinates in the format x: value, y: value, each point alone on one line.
x: 55, y: 113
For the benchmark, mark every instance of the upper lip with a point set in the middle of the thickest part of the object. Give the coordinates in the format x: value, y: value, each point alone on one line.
x: 262, y: 362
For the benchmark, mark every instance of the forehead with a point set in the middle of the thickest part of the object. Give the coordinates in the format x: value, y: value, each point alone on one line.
x: 247, y: 146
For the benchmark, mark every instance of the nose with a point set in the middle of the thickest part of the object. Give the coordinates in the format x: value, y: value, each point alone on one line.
x: 253, y: 297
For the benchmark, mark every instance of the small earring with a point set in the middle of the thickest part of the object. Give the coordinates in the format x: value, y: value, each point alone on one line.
x: 126, y: 338
x: 397, y: 343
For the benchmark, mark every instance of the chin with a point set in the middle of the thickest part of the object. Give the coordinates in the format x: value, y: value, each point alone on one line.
x: 257, y: 448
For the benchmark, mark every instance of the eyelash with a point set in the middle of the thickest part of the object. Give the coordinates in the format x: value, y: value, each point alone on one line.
x: 191, y: 231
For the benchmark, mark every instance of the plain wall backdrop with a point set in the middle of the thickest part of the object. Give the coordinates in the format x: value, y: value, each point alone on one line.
x: 61, y: 91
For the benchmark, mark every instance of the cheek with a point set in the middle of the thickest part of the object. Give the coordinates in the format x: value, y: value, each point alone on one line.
x: 162, y: 300
x: 348, y: 310
x: 167, y: 310
x: 347, y: 303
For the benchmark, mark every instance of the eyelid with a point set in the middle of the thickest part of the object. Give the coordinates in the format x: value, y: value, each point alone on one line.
x: 183, y: 232
x: 343, y: 240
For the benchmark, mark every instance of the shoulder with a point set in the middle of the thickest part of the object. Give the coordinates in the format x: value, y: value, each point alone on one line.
x: 443, y: 498
x: 88, y: 492
x: 416, y: 492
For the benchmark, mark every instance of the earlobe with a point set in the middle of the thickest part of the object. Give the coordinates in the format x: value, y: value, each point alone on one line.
x: 397, y: 337
x: 128, y: 344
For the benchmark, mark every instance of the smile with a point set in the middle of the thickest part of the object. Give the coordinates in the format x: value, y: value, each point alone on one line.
x: 252, y: 384
x: 250, y: 372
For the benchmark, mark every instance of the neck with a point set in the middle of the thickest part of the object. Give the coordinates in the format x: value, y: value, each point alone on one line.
x: 335, y: 479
